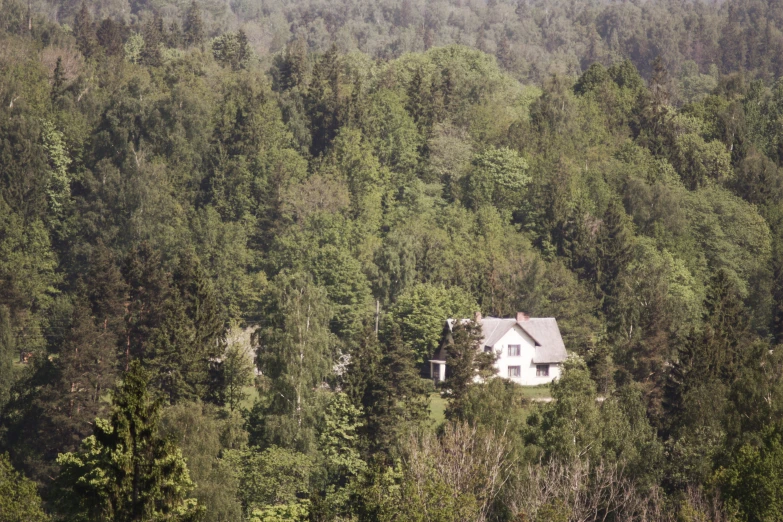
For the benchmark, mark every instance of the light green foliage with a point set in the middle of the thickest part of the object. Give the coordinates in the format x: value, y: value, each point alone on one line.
x: 19, y: 500
x: 126, y: 471
x: 571, y: 424
x: 421, y: 311
x: 339, y: 438
x: 134, y: 47
x: 295, y: 355
x: 498, y: 177
x: 204, y: 433
x: 272, y: 481
x: 59, y: 189
x: 753, y: 482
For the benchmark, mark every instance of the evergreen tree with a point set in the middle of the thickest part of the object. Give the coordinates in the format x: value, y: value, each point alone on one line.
x: 193, y: 26
x: 111, y: 35
x: 7, y: 353
x: 84, y: 31
x: 126, y: 471
x: 322, y: 102
x: 58, y: 78
x: 716, y: 353
x: 189, y: 337
x: 154, y: 37
x: 467, y: 364
x: 149, y: 287
x: 396, y: 397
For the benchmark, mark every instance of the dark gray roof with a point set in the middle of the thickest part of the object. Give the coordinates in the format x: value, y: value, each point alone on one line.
x: 543, y: 330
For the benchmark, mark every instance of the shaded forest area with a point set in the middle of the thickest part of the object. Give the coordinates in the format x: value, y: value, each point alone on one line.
x: 230, y: 235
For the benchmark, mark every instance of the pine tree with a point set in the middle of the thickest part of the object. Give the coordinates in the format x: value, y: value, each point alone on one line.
x: 189, y: 337
x: 125, y: 471
x: 614, y: 250
x: 193, y: 26
x: 322, y: 101
x: 293, y: 69
x: 149, y: 287
x: 84, y: 31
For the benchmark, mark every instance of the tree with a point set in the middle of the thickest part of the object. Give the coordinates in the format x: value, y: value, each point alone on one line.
x: 7, y: 354
x: 193, y: 25
x: 19, y: 500
x: 206, y: 434
x: 58, y: 78
x: 498, y: 177
x: 236, y: 371
x: 275, y: 479
x: 420, y: 313
x: 84, y: 31
x: 295, y: 355
x: 467, y: 364
x: 111, y: 35
x: 385, y: 381
x: 126, y: 471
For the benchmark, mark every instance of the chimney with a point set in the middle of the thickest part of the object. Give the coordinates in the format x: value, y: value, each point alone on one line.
x: 522, y: 317
x: 478, y: 317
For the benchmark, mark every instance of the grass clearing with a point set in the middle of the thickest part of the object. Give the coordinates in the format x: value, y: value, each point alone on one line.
x: 437, y: 408
x: 536, y: 392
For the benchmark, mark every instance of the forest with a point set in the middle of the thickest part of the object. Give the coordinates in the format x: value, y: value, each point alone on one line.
x: 231, y: 232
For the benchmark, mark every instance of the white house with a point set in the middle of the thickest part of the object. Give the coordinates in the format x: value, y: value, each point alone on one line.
x: 530, y: 349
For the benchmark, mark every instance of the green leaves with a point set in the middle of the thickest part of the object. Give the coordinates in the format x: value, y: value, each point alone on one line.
x: 126, y: 471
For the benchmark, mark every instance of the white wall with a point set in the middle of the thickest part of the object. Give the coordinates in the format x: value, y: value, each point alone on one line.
x: 527, y: 375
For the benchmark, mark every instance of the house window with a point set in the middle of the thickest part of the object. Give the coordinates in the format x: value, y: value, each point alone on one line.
x: 542, y: 370
x: 487, y: 349
x: 514, y: 350
x: 514, y: 371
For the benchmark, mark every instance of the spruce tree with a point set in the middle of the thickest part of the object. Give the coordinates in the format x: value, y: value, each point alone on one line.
x: 125, y: 471
x: 715, y: 353
x: 467, y: 364
x: 58, y: 78
x: 396, y: 397
x: 84, y: 31
x: 7, y: 376
x: 110, y: 36
x: 193, y: 26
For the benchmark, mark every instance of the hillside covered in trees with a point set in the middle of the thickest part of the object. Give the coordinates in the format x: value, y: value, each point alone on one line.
x: 230, y: 234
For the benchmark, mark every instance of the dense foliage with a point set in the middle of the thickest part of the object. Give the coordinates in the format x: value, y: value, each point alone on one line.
x: 230, y: 234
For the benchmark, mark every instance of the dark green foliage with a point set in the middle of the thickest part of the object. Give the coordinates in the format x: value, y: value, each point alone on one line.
x: 84, y: 31
x: 7, y: 355
x: 193, y: 25
x: 311, y: 176
x: 19, y: 500
x: 467, y: 362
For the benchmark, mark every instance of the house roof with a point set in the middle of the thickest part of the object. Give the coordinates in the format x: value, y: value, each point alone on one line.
x: 543, y: 330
